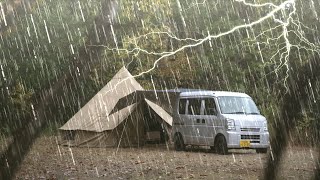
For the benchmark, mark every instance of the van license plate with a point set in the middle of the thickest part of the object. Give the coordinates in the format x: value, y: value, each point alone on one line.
x: 244, y: 143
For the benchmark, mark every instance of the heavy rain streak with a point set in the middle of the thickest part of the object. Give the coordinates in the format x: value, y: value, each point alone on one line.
x: 161, y: 89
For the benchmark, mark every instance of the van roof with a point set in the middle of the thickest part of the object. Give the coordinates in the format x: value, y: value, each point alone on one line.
x: 211, y: 93
x: 185, y: 92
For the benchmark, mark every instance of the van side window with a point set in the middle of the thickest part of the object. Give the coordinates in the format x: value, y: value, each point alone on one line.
x: 210, y: 107
x: 182, y: 106
x: 194, y: 106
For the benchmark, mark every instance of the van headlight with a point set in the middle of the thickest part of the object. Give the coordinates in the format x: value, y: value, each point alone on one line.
x: 230, y: 124
x: 265, y: 126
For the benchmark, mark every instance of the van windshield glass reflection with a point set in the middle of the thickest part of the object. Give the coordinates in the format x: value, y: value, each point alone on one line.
x: 237, y: 105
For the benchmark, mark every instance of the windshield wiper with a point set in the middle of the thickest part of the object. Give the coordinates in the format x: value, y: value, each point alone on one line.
x: 253, y: 113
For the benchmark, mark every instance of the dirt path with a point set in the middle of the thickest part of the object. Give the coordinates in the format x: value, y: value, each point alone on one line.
x: 47, y: 160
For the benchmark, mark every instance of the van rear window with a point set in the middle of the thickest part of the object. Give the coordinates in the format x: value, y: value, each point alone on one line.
x: 182, y: 106
x: 197, y: 106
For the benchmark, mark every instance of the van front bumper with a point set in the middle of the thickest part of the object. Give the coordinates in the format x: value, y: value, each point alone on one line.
x: 257, y: 140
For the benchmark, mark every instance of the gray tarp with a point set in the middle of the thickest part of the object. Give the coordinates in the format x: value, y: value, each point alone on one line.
x: 162, y: 113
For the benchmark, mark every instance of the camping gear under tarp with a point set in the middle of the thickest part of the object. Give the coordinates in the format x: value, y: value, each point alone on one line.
x: 107, y: 122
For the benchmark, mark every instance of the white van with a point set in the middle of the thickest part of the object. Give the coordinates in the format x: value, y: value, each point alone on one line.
x: 219, y: 119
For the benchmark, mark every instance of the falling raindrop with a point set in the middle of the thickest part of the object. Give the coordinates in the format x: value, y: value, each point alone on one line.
x: 3, y: 15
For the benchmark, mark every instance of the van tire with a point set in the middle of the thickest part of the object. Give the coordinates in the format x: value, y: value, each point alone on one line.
x: 221, y: 145
x: 262, y: 150
x: 178, y: 143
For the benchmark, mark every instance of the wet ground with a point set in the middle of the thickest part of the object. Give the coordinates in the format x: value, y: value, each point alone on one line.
x: 47, y: 160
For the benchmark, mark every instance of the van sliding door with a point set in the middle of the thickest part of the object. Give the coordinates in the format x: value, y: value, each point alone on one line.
x: 209, y: 119
x: 195, y: 120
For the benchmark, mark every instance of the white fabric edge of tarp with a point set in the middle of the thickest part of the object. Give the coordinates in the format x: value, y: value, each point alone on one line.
x: 121, y: 115
x: 123, y: 76
x: 95, y: 102
x: 160, y: 111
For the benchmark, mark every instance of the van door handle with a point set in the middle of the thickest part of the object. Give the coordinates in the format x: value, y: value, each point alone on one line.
x: 201, y: 120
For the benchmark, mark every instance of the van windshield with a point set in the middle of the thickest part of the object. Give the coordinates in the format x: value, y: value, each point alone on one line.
x: 237, y: 105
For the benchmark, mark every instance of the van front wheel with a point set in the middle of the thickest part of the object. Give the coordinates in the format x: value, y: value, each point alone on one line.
x: 178, y: 143
x: 221, y: 145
